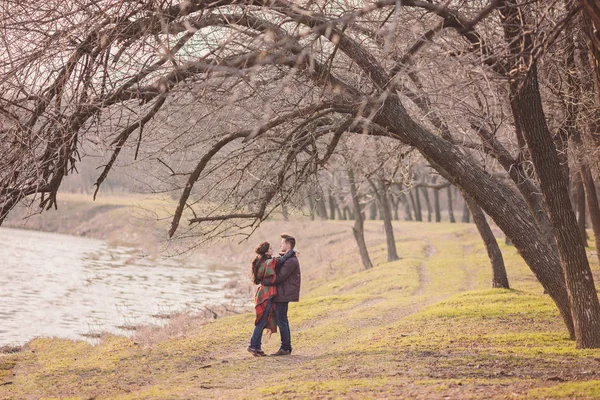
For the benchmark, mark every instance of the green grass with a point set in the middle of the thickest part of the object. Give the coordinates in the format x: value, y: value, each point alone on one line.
x: 425, y: 326
x: 579, y: 390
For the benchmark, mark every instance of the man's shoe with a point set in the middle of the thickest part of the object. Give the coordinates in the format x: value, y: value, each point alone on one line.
x: 282, y: 352
x: 256, y: 352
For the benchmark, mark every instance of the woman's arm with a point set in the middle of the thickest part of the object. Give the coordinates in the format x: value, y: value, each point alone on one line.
x: 283, y: 271
x: 279, y: 261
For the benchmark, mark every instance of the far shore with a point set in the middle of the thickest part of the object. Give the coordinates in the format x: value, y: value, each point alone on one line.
x: 142, y: 221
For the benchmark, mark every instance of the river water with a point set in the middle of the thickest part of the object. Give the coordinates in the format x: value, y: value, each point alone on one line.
x: 66, y: 286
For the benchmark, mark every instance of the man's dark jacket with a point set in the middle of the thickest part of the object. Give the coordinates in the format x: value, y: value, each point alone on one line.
x: 288, y: 280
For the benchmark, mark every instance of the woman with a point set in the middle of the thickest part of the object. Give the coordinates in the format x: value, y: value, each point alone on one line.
x: 263, y: 267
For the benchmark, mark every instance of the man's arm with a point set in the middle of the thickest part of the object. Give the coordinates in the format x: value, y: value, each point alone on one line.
x: 283, y: 273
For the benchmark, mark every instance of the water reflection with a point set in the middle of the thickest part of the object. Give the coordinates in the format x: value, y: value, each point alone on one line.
x: 58, y: 285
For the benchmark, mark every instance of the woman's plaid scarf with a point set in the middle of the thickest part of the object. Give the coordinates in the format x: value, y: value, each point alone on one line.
x: 264, y: 293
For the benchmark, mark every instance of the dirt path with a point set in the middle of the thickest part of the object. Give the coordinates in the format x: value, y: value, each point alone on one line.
x: 334, y: 362
x: 424, y: 279
x: 347, y: 357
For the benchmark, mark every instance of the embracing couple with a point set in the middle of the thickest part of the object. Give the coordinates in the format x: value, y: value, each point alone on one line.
x: 279, y: 283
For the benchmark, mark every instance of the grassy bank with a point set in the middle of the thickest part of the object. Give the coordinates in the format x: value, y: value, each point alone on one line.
x: 427, y: 326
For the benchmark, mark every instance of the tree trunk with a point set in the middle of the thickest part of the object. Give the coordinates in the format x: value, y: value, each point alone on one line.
x: 338, y: 210
x: 332, y: 205
x: 381, y: 216
x: 311, y: 207
x: 585, y: 187
x: 348, y: 213
x: 581, y: 206
x: 358, y: 230
x: 321, y: 206
x: 382, y: 198
x: 554, y: 183
x: 372, y: 211
x: 407, y: 210
x: 591, y: 18
x: 436, y: 205
x: 499, y: 277
x: 450, y: 207
x: 395, y: 203
x: 284, y: 211
x: 427, y: 203
x: 466, y: 215
x: 416, y: 204
x: 591, y: 196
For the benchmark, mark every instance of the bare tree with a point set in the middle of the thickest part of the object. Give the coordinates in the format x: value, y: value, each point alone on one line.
x: 499, y: 276
x: 358, y: 229
x: 528, y: 110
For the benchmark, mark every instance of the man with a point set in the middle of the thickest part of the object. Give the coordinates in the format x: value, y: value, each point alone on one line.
x: 288, y: 289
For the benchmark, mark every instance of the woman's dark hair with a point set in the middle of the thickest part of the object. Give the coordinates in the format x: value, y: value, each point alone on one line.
x: 261, y: 255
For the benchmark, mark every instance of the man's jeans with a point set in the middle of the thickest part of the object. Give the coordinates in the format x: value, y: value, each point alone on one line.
x: 256, y: 339
x: 281, y: 310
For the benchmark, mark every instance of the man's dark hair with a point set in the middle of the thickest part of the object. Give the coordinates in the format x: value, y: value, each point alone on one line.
x: 289, y: 240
